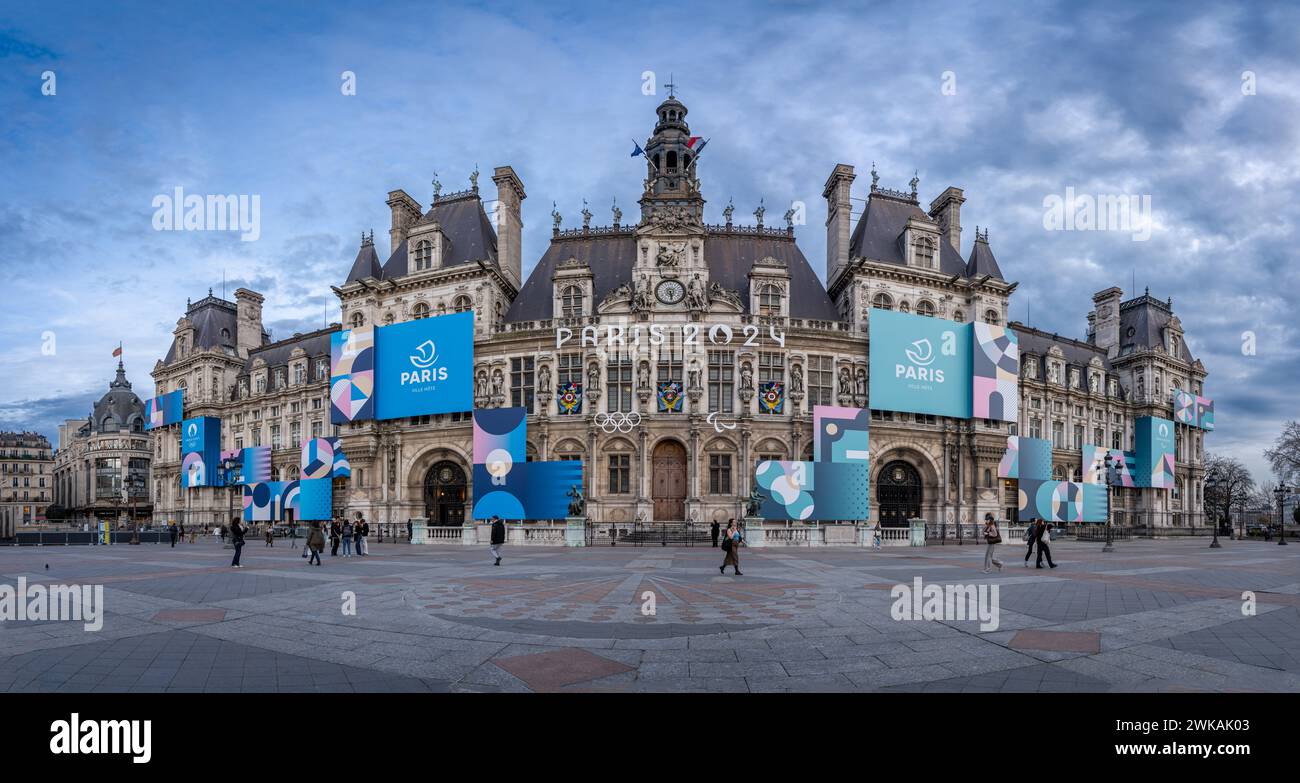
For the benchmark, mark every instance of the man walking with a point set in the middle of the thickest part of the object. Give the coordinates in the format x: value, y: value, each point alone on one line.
x: 1044, y: 544
x: 1031, y: 535
x: 713, y: 531
x: 498, y: 538
x: 171, y: 532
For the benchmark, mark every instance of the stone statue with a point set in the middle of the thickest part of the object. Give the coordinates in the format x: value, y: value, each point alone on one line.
x: 1092, y: 384
x: 577, y: 504
x: 473, y: 179
x: 437, y: 186
x: 718, y: 293
x: 789, y: 218
x: 643, y: 376
x: 593, y: 377
x: 641, y: 299
x: 758, y: 213
x: 796, y: 379
x: 618, y: 213
x: 696, y: 299
x: 544, y: 379
x: 755, y: 502
x: 746, y: 377
x: 555, y: 216
x: 860, y: 387
x: 695, y: 375
x: 498, y: 383
x: 621, y: 294
x: 728, y: 211
x: 846, y: 383
x: 586, y: 215
x: 481, y: 385
x: 670, y: 256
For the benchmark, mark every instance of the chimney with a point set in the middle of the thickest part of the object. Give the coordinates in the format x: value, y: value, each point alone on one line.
x: 406, y: 213
x: 1104, y: 320
x: 946, y: 211
x: 839, y: 215
x: 248, y: 323
x: 509, y: 222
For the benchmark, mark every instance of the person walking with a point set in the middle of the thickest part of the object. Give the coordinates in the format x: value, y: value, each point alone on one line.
x: 270, y: 534
x: 236, y: 540
x: 347, y: 538
x: 171, y: 532
x: 410, y: 530
x: 731, y: 545
x: 875, y: 536
x: 315, y: 542
x: 1031, y: 535
x: 363, y: 544
x: 223, y: 535
x: 992, y: 537
x: 336, y: 530
x: 1044, y: 543
x: 356, y: 535
x: 181, y: 527
x: 498, y: 538
x: 714, y: 529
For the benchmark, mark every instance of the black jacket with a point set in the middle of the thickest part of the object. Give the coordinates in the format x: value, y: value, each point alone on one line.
x: 498, y: 532
x: 236, y: 533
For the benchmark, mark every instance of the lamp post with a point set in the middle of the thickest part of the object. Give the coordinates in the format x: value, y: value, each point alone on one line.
x: 229, y: 479
x: 1212, y: 484
x: 1281, y: 492
x: 1110, y: 542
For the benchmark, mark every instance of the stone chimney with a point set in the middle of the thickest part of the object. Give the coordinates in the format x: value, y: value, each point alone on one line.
x: 946, y: 211
x: 509, y: 222
x: 1104, y: 320
x: 406, y: 213
x: 839, y: 217
x: 248, y: 323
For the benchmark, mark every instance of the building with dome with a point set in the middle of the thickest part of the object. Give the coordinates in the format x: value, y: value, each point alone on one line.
x: 101, y: 467
x: 688, y: 294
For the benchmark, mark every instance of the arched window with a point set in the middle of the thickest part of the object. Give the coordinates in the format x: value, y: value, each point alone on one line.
x: 883, y: 301
x: 423, y: 255
x: 571, y: 302
x: 924, y: 248
x: 991, y: 317
x: 460, y: 304
x: 988, y: 478
x: 959, y: 317
x: 925, y: 307
x: 769, y: 300
x: 421, y: 310
x: 358, y: 320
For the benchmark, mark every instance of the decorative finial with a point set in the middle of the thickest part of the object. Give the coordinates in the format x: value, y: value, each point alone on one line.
x: 916, y: 180
x: 473, y: 179
x: 618, y: 213
x: 437, y: 186
x: 875, y: 178
x: 555, y: 216
x: 586, y: 215
x: 671, y: 87
x: 209, y: 290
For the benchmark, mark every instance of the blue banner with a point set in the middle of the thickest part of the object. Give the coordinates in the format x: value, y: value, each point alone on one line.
x: 920, y: 364
x: 201, y: 452
x: 425, y: 367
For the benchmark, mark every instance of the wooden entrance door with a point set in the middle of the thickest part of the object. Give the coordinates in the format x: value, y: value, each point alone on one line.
x: 668, y: 481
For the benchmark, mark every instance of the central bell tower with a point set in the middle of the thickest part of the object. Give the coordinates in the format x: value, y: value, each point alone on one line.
x: 672, y: 189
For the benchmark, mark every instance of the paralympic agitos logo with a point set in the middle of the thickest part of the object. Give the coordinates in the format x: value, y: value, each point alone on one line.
x: 424, y: 360
x: 920, y: 355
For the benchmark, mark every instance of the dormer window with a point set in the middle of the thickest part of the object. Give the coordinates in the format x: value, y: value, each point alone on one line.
x: 423, y: 255
x: 924, y: 249
x: 769, y: 300
x: 571, y: 302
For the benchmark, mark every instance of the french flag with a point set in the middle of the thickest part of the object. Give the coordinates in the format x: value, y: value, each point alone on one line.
x: 696, y: 144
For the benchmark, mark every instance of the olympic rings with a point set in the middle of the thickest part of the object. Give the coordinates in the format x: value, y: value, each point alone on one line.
x: 617, y: 422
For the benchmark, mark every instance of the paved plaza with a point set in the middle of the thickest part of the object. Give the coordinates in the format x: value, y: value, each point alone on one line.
x: 1151, y: 616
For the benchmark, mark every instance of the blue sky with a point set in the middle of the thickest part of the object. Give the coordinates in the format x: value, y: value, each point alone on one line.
x: 244, y: 98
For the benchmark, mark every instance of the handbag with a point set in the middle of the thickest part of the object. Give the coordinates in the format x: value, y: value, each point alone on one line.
x: 726, y: 544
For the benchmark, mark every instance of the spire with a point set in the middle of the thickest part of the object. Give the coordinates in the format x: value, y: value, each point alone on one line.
x: 120, y: 382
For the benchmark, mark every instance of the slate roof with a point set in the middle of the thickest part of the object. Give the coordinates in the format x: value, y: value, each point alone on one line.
x: 1147, y: 317
x: 120, y: 402
x: 730, y: 257
x: 879, y: 234
x: 469, y: 232
x: 982, y: 261
x: 1077, y: 353
x: 210, y: 315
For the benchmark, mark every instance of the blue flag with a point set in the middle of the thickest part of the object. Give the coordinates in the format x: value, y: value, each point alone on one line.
x: 637, y: 150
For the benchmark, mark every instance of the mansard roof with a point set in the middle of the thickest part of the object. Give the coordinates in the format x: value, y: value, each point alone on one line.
x: 729, y: 255
x: 981, y: 260
x: 210, y: 316
x: 277, y: 354
x: 469, y: 232
x: 367, y: 263
x: 879, y: 233
x: 1147, y: 318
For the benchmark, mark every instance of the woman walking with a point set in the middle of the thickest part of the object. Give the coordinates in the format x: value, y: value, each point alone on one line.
x: 315, y: 542
x: 335, y: 531
x: 992, y: 537
x: 731, y: 545
x: 236, y: 540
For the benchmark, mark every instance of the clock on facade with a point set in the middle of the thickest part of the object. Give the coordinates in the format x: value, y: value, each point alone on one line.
x: 670, y: 292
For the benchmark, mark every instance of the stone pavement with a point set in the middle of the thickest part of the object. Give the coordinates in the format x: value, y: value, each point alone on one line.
x: 1152, y: 616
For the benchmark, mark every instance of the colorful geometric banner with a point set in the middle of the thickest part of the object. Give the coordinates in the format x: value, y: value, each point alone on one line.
x: 1193, y: 410
x: 841, y: 434
x: 1009, y: 467
x: 251, y: 466
x: 569, y: 398
x: 813, y: 490
x: 995, y: 373
x: 1122, y: 464
x: 505, y: 483
x: 1027, y: 458
x: 771, y: 397
x: 1155, y: 452
x: 670, y: 397
x: 920, y: 364
x: 201, y: 452
x: 323, y: 458
x: 425, y: 366
x: 1062, y: 501
x: 163, y: 410
x: 268, y: 501
x: 352, y: 375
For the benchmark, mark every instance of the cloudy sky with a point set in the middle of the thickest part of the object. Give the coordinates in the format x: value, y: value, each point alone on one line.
x: 1194, y: 105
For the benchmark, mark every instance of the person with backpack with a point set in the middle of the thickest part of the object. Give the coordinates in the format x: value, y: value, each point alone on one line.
x: 992, y: 537
x: 498, y: 538
x: 347, y: 538
x: 731, y: 546
x: 315, y: 542
x: 236, y: 540
x: 357, y: 540
x: 1044, y: 543
x: 1031, y: 535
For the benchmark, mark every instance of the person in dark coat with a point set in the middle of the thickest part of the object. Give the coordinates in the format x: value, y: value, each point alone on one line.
x: 315, y: 542
x: 498, y: 538
x: 410, y: 530
x: 731, y: 545
x: 1045, y: 543
x: 171, y: 532
x: 336, y: 532
x: 1031, y: 535
x: 713, y: 532
x: 237, y: 540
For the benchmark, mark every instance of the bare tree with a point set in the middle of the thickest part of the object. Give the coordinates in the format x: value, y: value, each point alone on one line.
x: 1227, y: 483
x: 1285, y: 454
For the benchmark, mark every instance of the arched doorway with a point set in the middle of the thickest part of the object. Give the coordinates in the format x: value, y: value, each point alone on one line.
x: 445, y: 491
x: 668, y: 481
x: 898, y: 494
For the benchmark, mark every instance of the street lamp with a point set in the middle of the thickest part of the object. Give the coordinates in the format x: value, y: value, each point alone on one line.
x: 1212, y: 484
x: 1110, y: 543
x: 1281, y: 492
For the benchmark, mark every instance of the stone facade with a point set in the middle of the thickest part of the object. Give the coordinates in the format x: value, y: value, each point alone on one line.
x: 720, y: 309
x: 26, y: 481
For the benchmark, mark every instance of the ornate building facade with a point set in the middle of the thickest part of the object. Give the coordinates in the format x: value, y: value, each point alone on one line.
x: 26, y: 480
x: 721, y: 310
x: 102, y: 466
